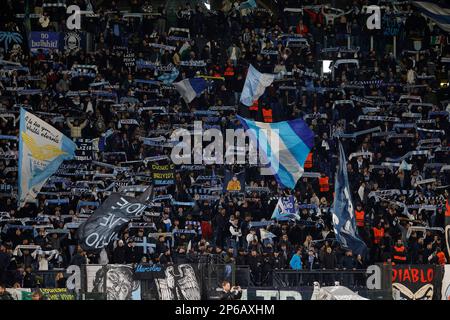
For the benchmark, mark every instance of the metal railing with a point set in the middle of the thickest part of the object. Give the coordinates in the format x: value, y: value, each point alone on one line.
x: 47, y: 278
x: 295, y: 278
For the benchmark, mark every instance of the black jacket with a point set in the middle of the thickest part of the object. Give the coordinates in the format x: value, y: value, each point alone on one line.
x: 329, y: 261
x: 230, y: 295
x: 119, y: 255
x: 6, y: 296
x: 241, y: 260
x: 348, y: 262
x: 255, y: 263
x: 279, y: 262
x: 78, y: 260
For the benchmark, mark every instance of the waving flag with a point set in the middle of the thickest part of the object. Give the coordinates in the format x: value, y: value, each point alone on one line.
x: 285, y: 209
x: 284, y: 145
x: 250, y: 4
x: 438, y: 12
x: 190, y: 88
x: 266, y: 234
x: 344, y: 221
x: 42, y: 149
x: 168, y: 78
x: 255, y: 85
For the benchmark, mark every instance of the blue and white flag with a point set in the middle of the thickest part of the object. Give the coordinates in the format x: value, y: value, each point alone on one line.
x: 344, y: 221
x: 266, y: 234
x: 285, y: 209
x: 190, y: 88
x: 438, y: 12
x: 168, y: 78
x: 255, y: 85
x: 42, y: 149
x: 283, y: 146
x: 249, y: 4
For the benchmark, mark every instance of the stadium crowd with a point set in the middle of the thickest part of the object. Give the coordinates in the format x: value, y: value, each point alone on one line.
x: 116, y: 105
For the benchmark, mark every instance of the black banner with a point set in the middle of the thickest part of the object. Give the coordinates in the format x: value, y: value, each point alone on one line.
x: 109, y: 219
x: 416, y: 282
x: 129, y: 59
x: 84, y: 151
x: 57, y: 294
x: 163, y: 174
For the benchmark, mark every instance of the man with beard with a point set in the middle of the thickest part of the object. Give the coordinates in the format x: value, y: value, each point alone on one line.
x: 118, y: 281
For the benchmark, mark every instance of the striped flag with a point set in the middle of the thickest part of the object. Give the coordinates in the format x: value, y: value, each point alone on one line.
x: 190, y: 88
x: 284, y: 145
x: 438, y: 11
x: 250, y: 4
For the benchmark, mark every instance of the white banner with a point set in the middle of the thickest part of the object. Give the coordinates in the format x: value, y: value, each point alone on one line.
x: 446, y: 283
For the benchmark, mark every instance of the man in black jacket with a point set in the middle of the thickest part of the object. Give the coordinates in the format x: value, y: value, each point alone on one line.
x: 255, y: 264
x: 219, y: 224
x: 119, y: 253
x: 241, y: 259
x: 4, y: 262
x: 267, y: 266
x: 279, y: 261
x: 348, y: 263
x: 230, y: 293
x: 4, y: 295
x: 79, y: 258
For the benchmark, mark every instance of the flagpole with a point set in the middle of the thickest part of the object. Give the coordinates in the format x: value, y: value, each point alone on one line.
x: 395, y: 46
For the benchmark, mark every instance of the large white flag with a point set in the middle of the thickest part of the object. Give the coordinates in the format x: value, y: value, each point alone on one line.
x: 42, y: 149
x: 255, y: 85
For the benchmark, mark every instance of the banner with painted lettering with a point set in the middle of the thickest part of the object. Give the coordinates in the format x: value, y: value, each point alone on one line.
x: 416, y: 282
x: 163, y: 174
x: 84, y: 151
x: 129, y: 59
x: 57, y: 294
x: 234, y: 182
x: 108, y: 220
x: 45, y: 40
x: 114, y: 280
x: 144, y: 271
x: 446, y: 283
x: 42, y: 149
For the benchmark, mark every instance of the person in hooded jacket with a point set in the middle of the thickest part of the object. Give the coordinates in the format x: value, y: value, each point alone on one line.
x: 119, y: 253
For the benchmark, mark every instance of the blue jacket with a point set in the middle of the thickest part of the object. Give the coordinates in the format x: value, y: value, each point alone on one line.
x: 296, y: 262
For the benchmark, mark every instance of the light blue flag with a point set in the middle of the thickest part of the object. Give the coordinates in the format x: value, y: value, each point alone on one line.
x: 283, y: 146
x: 285, y: 209
x: 439, y: 12
x: 42, y: 149
x: 250, y: 4
x: 344, y: 221
x: 168, y: 78
x: 255, y: 85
